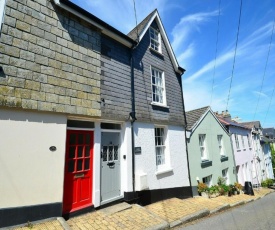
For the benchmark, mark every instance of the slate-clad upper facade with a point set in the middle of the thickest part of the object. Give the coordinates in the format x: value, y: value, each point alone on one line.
x: 145, y: 59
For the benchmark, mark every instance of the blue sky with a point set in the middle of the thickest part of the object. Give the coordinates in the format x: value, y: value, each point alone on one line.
x: 192, y: 28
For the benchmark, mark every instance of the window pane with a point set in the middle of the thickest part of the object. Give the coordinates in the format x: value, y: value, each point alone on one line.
x: 87, y: 164
x: 72, y: 138
x: 88, y: 138
x: 80, y: 139
x: 79, y: 165
x: 80, y: 151
x: 87, y: 151
x: 72, y: 152
x: 71, y: 166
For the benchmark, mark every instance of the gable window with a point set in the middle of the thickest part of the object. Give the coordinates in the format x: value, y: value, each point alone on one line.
x: 155, y: 40
x: 207, y: 180
x: 248, y: 141
x: 225, y: 175
x: 158, y: 86
x: 202, y: 146
x: 160, y: 145
x: 237, y: 141
x: 220, y: 143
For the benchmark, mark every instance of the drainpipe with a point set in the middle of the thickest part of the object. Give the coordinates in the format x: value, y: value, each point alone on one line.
x: 133, y: 117
x: 185, y: 124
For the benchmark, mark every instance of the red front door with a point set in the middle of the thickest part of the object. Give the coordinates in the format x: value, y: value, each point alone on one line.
x: 78, y: 170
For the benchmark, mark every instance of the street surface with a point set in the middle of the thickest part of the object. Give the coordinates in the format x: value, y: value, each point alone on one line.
x: 256, y: 215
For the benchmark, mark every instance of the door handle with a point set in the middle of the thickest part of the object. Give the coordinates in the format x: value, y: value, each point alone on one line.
x: 111, y: 163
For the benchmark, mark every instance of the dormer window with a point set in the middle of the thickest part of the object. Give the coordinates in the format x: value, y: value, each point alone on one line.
x: 155, y: 43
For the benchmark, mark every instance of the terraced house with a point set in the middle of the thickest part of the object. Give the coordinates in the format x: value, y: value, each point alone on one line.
x: 88, y: 115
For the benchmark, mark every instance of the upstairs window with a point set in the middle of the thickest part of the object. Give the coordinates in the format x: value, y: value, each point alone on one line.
x: 202, y: 146
x: 243, y: 142
x: 237, y: 141
x: 155, y: 40
x: 248, y: 141
x: 158, y: 86
x: 160, y: 145
x: 220, y: 143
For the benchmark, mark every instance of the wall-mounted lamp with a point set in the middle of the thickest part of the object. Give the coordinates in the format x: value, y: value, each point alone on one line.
x: 198, y: 179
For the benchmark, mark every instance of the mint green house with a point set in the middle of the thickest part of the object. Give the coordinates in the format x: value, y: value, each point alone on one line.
x: 209, y: 149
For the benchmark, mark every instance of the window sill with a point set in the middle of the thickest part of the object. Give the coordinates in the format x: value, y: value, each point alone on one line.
x: 238, y: 150
x: 156, y: 52
x: 160, y: 105
x: 206, y: 163
x: 162, y: 171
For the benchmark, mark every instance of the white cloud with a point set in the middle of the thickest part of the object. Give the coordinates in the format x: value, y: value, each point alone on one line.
x: 260, y: 94
x: 186, y: 25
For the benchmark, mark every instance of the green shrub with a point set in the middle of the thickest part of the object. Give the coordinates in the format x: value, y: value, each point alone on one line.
x: 202, y: 187
x: 266, y: 183
x: 221, y: 180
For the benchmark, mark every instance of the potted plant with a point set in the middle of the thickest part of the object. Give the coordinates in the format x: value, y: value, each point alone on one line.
x: 238, y: 187
x: 203, y: 189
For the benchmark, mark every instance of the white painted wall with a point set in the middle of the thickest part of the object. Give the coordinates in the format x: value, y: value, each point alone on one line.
x: 177, y: 173
x: 30, y: 173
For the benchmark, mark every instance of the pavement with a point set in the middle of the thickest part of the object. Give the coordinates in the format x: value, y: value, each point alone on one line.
x: 160, y: 215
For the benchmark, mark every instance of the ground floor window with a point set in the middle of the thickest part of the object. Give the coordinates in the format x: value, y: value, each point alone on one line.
x: 207, y: 180
x: 160, y: 145
x: 225, y: 175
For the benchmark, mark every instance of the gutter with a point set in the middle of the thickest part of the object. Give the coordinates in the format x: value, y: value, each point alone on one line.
x: 93, y: 20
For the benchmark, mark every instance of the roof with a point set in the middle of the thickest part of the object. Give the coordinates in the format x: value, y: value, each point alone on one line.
x: 229, y: 122
x: 139, y: 31
x: 194, y: 116
x: 135, y: 32
x: 252, y: 124
x: 90, y: 18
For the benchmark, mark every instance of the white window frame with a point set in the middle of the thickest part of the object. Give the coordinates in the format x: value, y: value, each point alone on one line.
x: 207, y: 180
x: 202, y: 145
x: 160, y: 134
x: 237, y: 141
x: 220, y: 143
x: 225, y: 175
x: 155, y: 39
x: 158, y: 87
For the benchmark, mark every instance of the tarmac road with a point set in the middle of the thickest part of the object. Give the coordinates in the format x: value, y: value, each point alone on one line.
x: 256, y: 215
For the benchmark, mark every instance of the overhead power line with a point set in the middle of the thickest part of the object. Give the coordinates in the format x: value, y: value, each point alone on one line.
x: 214, y: 72
x: 269, y: 104
x: 236, y: 46
x: 265, y: 69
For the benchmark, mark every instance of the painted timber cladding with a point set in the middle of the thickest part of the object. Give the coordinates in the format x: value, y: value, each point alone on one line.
x: 144, y: 58
x: 50, y: 59
x: 211, y: 128
x: 115, y: 80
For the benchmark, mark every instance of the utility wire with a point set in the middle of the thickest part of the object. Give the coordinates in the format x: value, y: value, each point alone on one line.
x: 214, y: 72
x: 264, y: 69
x: 136, y: 20
x: 236, y: 46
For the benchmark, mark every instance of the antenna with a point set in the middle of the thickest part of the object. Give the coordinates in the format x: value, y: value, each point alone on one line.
x: 136, y: 20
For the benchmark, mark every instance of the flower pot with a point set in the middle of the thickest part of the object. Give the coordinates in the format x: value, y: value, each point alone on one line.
x: 204, y: 194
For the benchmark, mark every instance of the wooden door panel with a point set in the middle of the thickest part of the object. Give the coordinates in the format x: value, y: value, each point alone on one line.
x: 78, y: 170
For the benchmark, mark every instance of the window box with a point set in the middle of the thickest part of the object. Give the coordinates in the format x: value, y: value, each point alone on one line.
x: 206, y: 163
x: 224, y: 158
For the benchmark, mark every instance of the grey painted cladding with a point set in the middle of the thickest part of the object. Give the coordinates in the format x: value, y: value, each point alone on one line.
x: 116, y: 83
x: 144, y: 59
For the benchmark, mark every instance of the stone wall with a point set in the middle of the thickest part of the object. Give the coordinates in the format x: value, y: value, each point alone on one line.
x: 50, y: 60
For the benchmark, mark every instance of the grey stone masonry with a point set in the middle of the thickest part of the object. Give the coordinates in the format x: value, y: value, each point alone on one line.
x: 50, y: 60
